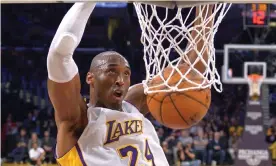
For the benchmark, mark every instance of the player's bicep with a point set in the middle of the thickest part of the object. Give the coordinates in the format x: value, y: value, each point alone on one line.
x: 137, y: 97
x: 65, y: 98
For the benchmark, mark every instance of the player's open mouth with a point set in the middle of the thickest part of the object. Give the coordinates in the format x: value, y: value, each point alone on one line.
x: 118, y: 93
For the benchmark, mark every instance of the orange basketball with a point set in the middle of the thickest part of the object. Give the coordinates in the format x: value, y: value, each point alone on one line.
x: 179, y: 110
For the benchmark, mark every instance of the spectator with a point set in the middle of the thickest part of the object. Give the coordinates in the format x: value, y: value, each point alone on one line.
x: 233, y: 145
x: 180, y: 153
x: 271, y: 134
x: 223, y: 140
x: 186, y: 156
x: 225, y: 125
x: 272, y: 148
x: 34, y: 139
x: 22, y: 143
x: 171, y: 139
x: 48, y: 144
x: 190, y: 156
x: 9, y: 129
x: 36, y: 128
x: 194, y: 129
x: 210, y: 135
x: 235, y: 127
x: 35, y: 115
x: 36, y: 154
x: 18, y: 154
x: 211, y: 126
x: 22, y: 138
x: 215, y: 150
x: 185, y: 138
x: 28, y: 123
x: 200, y: 145
x: 168, y: 152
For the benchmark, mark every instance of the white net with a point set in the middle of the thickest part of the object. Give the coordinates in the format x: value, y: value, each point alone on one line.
x: 173, y: 36
x: 255, y: 83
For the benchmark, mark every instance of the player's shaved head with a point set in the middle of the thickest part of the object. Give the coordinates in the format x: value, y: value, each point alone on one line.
x: 106, y: 57
x: 109, y: 80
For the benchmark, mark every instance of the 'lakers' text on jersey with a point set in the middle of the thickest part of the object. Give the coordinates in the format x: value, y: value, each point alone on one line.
x: 117, y: 129
x: 114, y: 138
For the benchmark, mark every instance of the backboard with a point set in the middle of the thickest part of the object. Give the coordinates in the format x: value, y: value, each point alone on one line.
x: 243, y: 60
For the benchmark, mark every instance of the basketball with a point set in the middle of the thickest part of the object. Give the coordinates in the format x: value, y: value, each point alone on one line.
x: 179, y: 110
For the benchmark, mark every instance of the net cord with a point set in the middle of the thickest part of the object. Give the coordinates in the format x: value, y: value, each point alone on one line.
x: 156, y: 57
x: 255, y: 84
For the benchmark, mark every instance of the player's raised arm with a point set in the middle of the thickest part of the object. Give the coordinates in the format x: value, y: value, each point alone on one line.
x: 64, y: 82
x: 200, y: 34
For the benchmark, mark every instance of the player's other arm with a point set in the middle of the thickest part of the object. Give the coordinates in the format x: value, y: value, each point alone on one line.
x: 136, y: 95
x: 64, y: 81
x: 199, y: 36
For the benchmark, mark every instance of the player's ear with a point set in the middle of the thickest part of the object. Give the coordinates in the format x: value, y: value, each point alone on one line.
x: 90, y: 78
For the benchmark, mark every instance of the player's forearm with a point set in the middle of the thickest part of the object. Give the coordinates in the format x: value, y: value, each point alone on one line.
x: 73, y: 25
x: 203, y: 30
x: 60, y: 64
x: 201, y: 35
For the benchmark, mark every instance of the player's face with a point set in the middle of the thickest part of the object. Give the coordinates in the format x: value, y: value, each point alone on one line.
x: 111, y: 82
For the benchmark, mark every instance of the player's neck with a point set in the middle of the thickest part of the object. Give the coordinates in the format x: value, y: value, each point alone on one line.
x: 117, y: 106
x: 94, y: 102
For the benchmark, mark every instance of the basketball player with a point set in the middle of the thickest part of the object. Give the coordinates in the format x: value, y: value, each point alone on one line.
x: 111, y: 130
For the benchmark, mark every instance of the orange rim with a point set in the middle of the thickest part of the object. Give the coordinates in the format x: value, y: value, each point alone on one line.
x: 255, y: 77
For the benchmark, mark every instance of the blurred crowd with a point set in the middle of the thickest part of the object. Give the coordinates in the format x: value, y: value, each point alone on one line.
x: 27, y: 136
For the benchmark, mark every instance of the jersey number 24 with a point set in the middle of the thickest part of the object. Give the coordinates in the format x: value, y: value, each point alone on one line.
x: 133, y: 153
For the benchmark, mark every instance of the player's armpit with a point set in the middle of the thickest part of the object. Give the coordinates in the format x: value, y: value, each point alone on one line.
x: 137, y: 97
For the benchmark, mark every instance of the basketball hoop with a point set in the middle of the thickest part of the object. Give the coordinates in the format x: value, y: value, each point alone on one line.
x: 254, y: 82
x: 157, y: 30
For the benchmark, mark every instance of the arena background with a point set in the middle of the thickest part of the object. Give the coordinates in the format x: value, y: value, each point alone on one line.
x: 27, y: 31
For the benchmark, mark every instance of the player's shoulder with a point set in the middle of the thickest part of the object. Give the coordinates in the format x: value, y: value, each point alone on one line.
x: 128, y: 107
x: 93, y: 113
